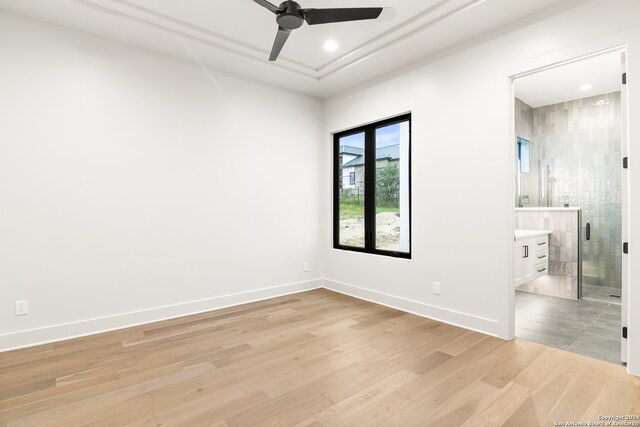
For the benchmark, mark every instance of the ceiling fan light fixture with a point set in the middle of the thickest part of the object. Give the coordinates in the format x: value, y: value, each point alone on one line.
x: 290, y: 16
x: 330, y: 46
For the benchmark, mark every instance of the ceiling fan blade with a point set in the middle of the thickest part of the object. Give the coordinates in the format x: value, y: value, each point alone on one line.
x: 264, y: 3
x: 278, y: 44
x: 328, y: 16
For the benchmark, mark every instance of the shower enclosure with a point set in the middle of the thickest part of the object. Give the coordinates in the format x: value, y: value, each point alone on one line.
x: 574, y: 160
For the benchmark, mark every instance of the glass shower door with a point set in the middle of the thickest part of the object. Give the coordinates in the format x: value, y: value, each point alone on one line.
x: 600, y: 196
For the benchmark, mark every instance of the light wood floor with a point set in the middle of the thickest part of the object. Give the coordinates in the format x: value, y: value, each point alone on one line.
x: 310, y: 359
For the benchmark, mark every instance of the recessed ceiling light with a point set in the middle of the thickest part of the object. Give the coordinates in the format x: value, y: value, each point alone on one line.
x: 585, y: 87
x: 330, y: 45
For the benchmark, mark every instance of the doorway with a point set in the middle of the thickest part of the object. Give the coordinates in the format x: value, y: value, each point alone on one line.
x: 570, y: 207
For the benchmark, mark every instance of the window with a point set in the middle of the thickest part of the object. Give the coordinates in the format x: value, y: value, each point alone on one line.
x: 523, y: 155
x: 372, y: 188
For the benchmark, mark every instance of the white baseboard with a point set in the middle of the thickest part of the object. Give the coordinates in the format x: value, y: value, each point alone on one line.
x: 456, y: 318
x: 65, y: 331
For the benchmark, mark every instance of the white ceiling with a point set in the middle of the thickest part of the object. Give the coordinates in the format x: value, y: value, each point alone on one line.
x: 603, y: 73
x: 236, y: 35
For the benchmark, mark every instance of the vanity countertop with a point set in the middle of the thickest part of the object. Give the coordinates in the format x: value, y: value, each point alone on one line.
x: 572, y: 208
x: 523, y: 234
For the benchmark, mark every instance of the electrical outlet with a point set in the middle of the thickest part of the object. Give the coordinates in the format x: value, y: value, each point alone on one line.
x: 305, y: 267
x: 436, y: 288
x: 22, y: 308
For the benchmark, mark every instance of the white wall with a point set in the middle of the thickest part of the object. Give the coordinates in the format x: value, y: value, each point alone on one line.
x: 135, y: 187
x: 130, y: 182
x: 462, y: 168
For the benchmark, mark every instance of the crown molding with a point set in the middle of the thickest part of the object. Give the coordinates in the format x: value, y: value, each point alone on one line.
x: 431, y: 16
x: 398, y: 34
x: 125, y: 10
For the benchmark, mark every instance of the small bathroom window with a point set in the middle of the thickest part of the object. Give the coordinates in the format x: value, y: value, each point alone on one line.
x: 523, y: 155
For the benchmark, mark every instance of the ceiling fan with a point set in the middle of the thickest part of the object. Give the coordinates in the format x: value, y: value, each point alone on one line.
x: 290, y: 16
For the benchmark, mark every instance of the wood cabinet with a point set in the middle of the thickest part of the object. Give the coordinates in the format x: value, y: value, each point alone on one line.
x: 531, y: 258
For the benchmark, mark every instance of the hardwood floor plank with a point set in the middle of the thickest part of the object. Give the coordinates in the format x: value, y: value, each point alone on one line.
x: 504, y: 373
x: 296, y: 414
x: 431, y: 361
x: 426, y: 383
x: 615, y: 397
x: 26, y: 388
x: 366, y: 378
x: 538, y: 371
x: 511, y: 397
x: 432, y: 391
x: 453, y: 409
x: 535, y: 409
x: 78, y: 406
x: 203, y: 413
x: 209, y: 319
x: 378, y: 412
x: 312, y: 359
x: 460, y: 344
x: 363, y: 399
x: 581, y: 393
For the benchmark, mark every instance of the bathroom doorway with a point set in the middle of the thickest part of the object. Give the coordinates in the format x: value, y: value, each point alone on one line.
x: 569, y: 289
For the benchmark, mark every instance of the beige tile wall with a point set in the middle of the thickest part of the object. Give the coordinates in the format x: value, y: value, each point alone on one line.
x: 581, y: 144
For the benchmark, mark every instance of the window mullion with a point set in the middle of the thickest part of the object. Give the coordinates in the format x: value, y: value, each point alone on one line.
x: 336, y: 191
x: 370, y: 187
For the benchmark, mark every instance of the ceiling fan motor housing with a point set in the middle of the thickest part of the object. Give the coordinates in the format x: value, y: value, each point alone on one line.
x: 291, y: 18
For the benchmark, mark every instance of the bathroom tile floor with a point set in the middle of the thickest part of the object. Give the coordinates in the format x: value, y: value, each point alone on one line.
x: 591, y: 328
x: 601, y: 293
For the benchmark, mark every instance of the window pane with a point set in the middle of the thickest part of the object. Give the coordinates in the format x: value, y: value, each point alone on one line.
x: 351, y: 187
x: 392, y: 187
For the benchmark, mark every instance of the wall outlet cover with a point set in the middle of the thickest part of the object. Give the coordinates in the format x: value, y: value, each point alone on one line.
x: 436, y: 288
x: 22, y: 308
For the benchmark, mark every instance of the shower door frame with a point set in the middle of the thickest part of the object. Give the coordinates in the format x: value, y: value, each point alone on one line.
x: 624, y: 142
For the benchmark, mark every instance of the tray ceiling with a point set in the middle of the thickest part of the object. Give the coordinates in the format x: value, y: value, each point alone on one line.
x: 236, y: 35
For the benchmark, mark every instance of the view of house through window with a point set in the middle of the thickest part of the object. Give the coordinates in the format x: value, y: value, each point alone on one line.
x: 392, y: 187
x: 351, y: 161
x: 372, y: 197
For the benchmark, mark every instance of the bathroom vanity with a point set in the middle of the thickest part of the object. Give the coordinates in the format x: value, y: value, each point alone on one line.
x: 532, y: 255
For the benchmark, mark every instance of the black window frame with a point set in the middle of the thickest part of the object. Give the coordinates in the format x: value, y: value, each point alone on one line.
x: 369, y: 131
x: 352, y: 178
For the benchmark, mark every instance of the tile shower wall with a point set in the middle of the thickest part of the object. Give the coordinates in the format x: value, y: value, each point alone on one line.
x: 580, y: 142
x: 564, y: 250
x: 528, y: 186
